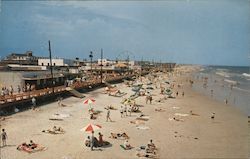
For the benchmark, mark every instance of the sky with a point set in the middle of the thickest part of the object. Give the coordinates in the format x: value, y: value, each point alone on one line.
x: 207, y: 32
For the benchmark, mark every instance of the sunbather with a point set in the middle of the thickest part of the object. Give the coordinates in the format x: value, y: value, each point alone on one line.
x: 137, y: 122
x: 100, y: 141
x: 159, y: 110
x: 119, y: 136
x: 151, y: 148
x: 176, y: 119
x: 91, y: 115
x: 58, y: 129
x: 126, y: 145
x: 145, y: 155
x: 151, y: 145
x: 191, y: 113
x: 32, y: 145
x: 87, y: 141
x: 110, y: 107
x: 135, y: 108
x: 54, y: 130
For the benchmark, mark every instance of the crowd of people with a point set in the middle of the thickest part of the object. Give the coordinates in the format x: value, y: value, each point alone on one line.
x: 5, y: 91
x: 93, y: 142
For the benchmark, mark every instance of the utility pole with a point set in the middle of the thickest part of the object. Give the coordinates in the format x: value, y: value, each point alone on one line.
x: 128, y: 64
x: 51, y: 68
x: 91, y: 57
x: 101, y: 64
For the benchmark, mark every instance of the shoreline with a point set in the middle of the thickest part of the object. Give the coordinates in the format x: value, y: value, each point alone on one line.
x: 236, y: 94
x: 197, y: 136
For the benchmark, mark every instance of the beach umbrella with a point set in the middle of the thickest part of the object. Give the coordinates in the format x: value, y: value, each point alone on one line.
x: 128, y: 102
x: 91, y: 127
x: 168, y: 92
x: 88, y: 101
x: 167, y: 82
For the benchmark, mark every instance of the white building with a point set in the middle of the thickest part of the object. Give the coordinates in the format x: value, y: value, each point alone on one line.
x: 105, y: 62
x: 55, y: 62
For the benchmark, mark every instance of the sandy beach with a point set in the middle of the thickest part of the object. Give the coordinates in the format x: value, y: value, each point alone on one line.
x: 194, y: 136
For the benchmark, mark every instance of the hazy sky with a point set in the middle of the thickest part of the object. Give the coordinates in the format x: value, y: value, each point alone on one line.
x: 183, y: 31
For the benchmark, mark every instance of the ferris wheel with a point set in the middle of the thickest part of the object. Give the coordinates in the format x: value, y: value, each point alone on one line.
x: 125, y: 56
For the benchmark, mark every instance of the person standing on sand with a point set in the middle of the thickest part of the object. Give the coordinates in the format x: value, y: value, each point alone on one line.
x: 226, y: 101
x: 108, y: 116
x: 4, y: 137
x: 33, y: 100
x: 59, y: 101
x: 130, y: 110
x: 212, y: 92
x: 213, y: 116
x: 100, y: 141
x: 125, y: 110
x: 150, y: 99
x: 11, y: 90
x: 18, y: 89
x: 121, y: 111
x: 183, y: 94
x: 92, y: 140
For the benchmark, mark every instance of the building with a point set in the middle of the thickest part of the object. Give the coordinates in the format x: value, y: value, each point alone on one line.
x: 21, y: 59
x: 105, y: 62
x: 55, y: 62
x: 39, y: 79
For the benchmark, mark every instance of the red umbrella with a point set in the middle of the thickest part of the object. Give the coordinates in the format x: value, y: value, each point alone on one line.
x: 89, y: 101
x: 91, y: 127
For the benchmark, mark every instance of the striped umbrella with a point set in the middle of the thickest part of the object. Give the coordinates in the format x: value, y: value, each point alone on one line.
x: 91, y: 127
x: 88, y: 101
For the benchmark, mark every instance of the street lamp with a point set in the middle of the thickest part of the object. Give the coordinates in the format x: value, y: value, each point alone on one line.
x: 101, y: 64
x: 91, y: 57
x: 51, y: 67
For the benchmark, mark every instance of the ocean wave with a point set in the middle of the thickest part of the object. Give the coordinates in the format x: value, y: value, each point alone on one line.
x: 223, y: 74
x: 222, y: 69
x: 246, y: 74
x: 244, y: 90
x: 231, y: 81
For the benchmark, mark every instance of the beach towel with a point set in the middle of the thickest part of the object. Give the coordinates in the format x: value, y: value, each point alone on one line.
x: 180, y: 114
x: 53, y: 132
x: 144, y: 118
x: 171, y: 119
x: 137, y: 122
x: 30, y: 150
x: 105, y: 143
x: 140, y: 154
x: 61, y: 115
x: 141, y: 127
x: 119, y: 136
x: 176, y: 107
x: 56, y: 118
x: 159, y: 110
x: 124, y: 148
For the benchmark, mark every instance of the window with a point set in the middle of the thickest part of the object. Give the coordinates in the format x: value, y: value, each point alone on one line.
x: 42, y: 64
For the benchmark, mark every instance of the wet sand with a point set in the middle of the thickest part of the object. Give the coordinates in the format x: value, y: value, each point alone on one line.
x: 195, y: 137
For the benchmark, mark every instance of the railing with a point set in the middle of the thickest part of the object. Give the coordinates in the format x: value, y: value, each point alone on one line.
x: 59, y: 89
x: 30, y: 94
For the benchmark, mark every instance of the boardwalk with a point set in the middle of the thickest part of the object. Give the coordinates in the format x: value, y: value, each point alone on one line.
x: 8, y: 100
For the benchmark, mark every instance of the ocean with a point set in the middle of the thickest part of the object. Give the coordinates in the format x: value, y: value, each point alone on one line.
x: 231, y: 83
